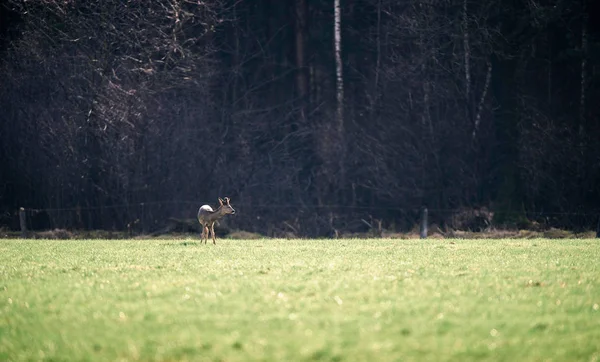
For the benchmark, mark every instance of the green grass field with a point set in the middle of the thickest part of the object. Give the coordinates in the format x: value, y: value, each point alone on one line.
x: 294, y: 300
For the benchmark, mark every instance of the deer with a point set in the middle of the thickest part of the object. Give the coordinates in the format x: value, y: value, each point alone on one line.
x: 207, y: 218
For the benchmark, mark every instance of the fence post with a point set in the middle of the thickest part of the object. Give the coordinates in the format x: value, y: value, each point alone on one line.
x: 423, y: 231
x: 23, y: 222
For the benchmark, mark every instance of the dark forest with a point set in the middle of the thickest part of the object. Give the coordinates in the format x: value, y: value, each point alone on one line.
x: 313, y: 116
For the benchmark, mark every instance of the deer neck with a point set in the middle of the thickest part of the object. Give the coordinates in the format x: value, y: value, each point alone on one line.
x: 217, y: 214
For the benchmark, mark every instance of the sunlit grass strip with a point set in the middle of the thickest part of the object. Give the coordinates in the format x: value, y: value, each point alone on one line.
x: 351, y: 299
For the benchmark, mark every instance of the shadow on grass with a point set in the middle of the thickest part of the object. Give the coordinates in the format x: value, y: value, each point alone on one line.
x: 189, y: 243
x: 184, y: 243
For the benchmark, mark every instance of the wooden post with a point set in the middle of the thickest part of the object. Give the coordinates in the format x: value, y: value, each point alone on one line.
x: 423, y: 231
x: 23, y: 222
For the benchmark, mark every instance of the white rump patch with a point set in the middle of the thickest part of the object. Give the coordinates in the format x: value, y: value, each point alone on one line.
x: 206, y: 208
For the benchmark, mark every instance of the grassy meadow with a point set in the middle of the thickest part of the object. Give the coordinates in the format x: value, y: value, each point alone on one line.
x: 297, y: 300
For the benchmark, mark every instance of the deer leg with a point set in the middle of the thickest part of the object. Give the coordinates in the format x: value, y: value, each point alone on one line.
x: 212, y: 227
x: 206, y: 233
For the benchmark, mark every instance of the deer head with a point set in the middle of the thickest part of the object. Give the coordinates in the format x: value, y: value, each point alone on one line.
x: 225, y: 206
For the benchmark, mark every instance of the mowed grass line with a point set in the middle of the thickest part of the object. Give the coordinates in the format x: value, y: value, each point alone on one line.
x: 338, y: 300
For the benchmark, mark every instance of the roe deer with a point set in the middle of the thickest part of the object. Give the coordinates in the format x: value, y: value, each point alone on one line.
x: 207, y: 218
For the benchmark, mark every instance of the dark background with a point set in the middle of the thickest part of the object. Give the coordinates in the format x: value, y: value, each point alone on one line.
x: 114, y: 113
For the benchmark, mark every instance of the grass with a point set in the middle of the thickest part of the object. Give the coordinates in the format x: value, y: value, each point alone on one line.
x: 294, y: 300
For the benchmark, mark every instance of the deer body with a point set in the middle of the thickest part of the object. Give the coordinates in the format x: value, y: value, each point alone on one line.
x: 208, y: 217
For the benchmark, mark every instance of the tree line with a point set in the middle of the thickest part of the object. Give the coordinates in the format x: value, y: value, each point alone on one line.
x: 306, y: 113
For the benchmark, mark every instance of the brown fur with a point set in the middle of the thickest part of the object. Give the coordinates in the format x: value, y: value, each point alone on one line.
x: 207, y: 218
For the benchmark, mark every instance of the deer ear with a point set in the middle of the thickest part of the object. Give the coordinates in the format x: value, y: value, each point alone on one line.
x: 220, y: 201
x: 227, y: 200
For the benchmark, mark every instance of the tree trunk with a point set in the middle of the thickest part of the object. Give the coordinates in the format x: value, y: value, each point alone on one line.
x: 301, y: 69
x: 582, y: 170
x: 339, y: 90
x: 467, y: 51
x: 584, y: 41
x: 375, y: 94
x: 486, y: 86
x: 338, y: 67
